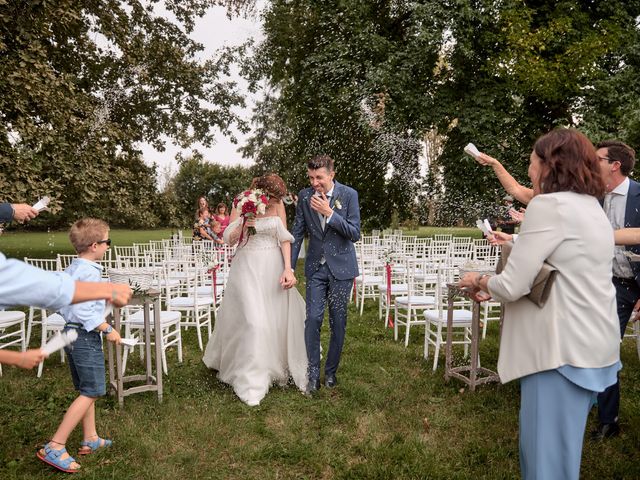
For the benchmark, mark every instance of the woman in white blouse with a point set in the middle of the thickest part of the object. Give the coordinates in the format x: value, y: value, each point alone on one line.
x: 566, y: 351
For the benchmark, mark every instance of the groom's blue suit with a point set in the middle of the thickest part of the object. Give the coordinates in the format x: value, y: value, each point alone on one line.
x: 330, y: 267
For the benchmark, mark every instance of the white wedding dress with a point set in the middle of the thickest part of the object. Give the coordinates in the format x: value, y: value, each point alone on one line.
x: 258, y: 339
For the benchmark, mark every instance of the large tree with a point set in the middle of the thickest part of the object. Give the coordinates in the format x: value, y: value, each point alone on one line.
x: 83, y: 82
x: 495, y: 73
x: 326, y: 64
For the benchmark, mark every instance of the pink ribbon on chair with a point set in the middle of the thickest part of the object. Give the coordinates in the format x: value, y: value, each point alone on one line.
x: 389, y: 316
x: 214, y: 276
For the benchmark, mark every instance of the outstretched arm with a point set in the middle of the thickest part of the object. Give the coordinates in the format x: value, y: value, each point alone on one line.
x: 627, y: 236
x: 510, y: 184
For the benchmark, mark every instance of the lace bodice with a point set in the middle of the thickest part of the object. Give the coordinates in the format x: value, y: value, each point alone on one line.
x: 269, y: 233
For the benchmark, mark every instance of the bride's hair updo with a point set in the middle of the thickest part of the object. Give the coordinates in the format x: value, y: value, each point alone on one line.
x: 272, y: 184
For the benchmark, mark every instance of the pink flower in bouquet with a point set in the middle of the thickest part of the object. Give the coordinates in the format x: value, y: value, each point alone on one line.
x: 251, y: 203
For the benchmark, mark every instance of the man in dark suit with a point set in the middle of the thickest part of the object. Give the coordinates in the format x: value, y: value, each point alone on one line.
x: 622, y: 206
x: 329, y: 212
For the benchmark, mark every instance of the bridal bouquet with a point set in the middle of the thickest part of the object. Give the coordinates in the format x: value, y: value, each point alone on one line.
x: 251, y: 203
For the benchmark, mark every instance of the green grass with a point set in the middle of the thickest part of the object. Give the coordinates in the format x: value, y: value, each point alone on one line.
x: 391, y: 417
x: 17, y: 244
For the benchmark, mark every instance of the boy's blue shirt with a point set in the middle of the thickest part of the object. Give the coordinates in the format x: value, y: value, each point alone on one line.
x: 89, y: 314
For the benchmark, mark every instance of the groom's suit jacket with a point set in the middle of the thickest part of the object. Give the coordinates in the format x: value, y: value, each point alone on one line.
x: 632, y: 219
x: 335, y: 242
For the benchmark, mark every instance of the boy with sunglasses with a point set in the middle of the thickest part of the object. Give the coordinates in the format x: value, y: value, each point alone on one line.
x: 90, y: 238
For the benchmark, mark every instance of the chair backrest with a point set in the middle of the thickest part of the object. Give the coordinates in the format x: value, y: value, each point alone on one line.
x: 127, y: 250
x: 65, y: 260
x: 50, y: 264
x: 370, y: 260
x: 443, y: 237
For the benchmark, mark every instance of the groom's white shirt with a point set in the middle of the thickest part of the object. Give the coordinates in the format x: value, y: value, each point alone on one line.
x: 325, y: 221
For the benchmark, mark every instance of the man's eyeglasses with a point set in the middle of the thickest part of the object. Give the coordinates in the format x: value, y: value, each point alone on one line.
x: 607, y: 159
x: 107, y: 241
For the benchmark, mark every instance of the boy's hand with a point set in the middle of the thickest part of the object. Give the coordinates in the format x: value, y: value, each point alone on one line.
x: 114, y: 337
x: 31, y: 358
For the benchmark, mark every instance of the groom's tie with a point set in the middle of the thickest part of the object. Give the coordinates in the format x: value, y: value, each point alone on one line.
x: 323, y: 219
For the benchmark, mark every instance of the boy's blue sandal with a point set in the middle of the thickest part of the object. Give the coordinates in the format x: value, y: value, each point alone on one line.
x: 52, y: 456
x: 87, y: 448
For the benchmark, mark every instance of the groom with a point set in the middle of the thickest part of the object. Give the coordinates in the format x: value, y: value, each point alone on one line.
x: 330, y: 214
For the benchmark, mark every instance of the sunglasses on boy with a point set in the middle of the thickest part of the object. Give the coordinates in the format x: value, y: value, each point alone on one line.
x: 107, y: 241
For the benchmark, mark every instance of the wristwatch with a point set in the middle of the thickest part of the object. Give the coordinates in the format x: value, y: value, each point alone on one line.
x: 108, y: 330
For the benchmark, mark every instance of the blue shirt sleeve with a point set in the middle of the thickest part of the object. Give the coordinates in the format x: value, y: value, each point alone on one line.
x: 22, y: 284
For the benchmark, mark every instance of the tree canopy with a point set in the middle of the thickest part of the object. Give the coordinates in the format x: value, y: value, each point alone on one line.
x: 83, y: 82
x: 366, y: 81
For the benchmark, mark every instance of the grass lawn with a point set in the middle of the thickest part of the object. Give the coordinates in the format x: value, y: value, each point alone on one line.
x: 391, y: 417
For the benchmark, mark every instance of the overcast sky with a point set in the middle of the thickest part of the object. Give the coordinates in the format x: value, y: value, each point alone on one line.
x: 215, y: 30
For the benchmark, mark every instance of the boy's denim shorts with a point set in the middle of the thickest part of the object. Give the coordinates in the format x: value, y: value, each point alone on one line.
x: 86, y: 362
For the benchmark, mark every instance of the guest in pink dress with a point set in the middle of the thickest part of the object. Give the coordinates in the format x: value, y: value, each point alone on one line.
x: 221, y: 217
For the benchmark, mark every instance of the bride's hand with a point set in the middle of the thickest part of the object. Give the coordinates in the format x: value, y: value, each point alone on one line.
x: 288, y: 279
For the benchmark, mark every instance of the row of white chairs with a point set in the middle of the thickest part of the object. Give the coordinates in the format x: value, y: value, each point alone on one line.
x: 190, y: 291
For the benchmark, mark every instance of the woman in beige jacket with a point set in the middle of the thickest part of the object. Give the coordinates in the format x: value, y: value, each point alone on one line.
x: 566, y: 351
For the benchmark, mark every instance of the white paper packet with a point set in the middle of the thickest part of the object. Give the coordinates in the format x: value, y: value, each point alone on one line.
x: 42, y: 204
x: 60, y: 340
x: 471, y: 149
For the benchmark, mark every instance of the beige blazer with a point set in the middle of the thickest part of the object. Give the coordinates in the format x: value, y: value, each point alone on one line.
x: 578, y: 325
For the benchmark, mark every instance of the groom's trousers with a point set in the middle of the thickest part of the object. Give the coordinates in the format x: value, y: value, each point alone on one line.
x: 322, y: 289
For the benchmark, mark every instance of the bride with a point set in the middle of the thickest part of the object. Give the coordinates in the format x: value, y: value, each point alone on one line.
x: 258, y: 337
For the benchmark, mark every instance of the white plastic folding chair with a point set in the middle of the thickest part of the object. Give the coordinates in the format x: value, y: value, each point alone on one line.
x: 52, y: 325
x: 371, y: 267
x: 171, y: 333
x: 394, y: 284
x: 487, y: 254
x: 420, y: 296
x: 12, y: 330
x: 49, y: 264
x: 437, y: 319
x: 196, y: 306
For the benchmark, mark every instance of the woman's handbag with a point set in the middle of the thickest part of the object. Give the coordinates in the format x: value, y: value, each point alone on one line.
x: 543, y: 282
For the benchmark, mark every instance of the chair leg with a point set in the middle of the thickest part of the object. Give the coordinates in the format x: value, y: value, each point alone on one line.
x: 408, y: 326
x: 436, y: 351
x: 427, y: 337
x: 362, y: 299
x: 43, y: 341
x: 179, y: 336
x: 30, y: 323
x: 23, y: 340
x: 485, y: 321
x: 199, y: 333
x: 395, y: 323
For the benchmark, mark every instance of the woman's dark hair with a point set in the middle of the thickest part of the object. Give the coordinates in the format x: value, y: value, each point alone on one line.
x: 569, y: 163
x: 219, y: 206
x: 272, y: 184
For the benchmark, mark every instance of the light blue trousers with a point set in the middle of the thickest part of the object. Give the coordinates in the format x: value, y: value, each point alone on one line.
x: 553, y: 416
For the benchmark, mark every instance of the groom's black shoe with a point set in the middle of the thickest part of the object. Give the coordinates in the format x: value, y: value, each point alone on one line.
x: 313, y: 387
x: 330, y: 381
